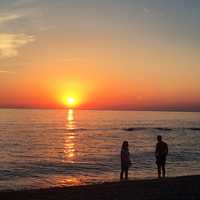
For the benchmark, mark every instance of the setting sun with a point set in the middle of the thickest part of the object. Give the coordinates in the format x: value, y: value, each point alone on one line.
x: 70, y: 99
x: 71, y: 102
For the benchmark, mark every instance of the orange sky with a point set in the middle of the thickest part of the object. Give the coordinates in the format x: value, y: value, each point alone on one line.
x: 120, y: 56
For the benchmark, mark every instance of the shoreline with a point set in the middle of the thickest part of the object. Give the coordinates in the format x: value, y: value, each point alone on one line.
x: 183, y: 187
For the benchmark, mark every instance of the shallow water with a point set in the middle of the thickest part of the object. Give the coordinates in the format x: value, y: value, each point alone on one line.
x: 45, y: 148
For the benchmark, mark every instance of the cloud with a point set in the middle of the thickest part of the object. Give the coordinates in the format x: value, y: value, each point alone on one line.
x: 6, y: 72
x: 10, y: 43
x: 6, y: 18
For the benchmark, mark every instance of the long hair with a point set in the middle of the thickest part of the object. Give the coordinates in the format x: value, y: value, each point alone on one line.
x: 124, y: 145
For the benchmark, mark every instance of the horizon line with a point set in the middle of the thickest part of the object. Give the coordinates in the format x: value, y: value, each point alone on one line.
x: 107, y: 109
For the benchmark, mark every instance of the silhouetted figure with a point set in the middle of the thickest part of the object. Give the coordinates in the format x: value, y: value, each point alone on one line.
x: 161, y: 155
x: 125, y: 160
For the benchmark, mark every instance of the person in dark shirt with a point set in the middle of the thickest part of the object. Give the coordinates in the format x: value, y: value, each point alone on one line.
x: 161, y: 155
x: 125, y: 160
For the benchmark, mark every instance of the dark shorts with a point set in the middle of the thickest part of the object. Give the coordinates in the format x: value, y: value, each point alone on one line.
x: 160, y: 161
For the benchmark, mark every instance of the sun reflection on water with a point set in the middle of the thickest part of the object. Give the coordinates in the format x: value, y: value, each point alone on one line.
x: 70, y: 119
x: 71, y: 181
x: 69, y: 146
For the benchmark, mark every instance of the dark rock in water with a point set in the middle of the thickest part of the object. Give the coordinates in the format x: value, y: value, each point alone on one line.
x: 128, y: 129
x: 163, y: 129
x: 133, y: 129
x: 195, y: 129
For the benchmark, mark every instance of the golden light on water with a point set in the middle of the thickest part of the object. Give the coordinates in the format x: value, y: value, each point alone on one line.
x: 70, y: 119
x: 69, y: 146
x: 70, y: 181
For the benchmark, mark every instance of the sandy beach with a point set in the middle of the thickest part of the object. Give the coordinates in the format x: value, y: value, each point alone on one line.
x: 187, y: 187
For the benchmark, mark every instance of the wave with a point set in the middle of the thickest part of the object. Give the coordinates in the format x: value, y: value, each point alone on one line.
x: 145, y: 128
x: 34, y: 170
x: 113, y: 129
x: 81, y: 129
x: 127, y: 129
x: 67, y: 129
x: 130, y: 129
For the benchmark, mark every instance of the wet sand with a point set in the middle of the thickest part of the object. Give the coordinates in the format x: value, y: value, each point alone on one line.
x: 187, y: 187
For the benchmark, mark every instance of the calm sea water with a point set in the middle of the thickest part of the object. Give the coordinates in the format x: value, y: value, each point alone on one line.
x: 45, y: 148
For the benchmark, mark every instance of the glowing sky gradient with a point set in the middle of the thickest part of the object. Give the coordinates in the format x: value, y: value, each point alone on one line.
x: 110, y: 54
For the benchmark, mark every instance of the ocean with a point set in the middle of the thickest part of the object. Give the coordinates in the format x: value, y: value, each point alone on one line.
x: 47, y: 148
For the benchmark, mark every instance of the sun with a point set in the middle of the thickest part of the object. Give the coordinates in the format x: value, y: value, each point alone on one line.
x: 71, y: 102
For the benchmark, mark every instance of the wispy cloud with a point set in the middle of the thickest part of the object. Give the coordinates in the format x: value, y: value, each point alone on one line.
x: 7, y: 18
x: 6, y: 72
x: 10, y: 43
